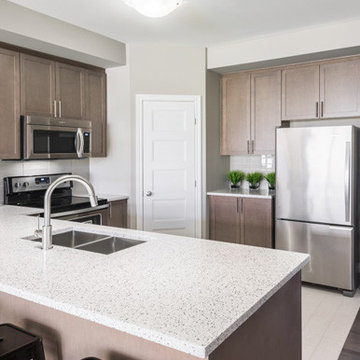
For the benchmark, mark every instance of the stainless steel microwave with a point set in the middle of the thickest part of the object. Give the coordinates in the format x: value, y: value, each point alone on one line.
x: 49, y: 138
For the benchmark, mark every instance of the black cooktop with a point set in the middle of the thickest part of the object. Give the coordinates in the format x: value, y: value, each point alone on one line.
x: 67, y: 203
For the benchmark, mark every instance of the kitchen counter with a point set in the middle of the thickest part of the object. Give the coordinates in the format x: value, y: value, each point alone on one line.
x: 260, y: 193
x: 113, y: 197
x: 184, y: 293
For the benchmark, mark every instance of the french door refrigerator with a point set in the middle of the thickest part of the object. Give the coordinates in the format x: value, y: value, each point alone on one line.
x: 317, y: 201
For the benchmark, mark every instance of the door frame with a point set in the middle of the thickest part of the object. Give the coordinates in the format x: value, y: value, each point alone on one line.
x: 196, y: 100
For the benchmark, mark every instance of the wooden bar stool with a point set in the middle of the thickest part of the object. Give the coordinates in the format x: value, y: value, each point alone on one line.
x: 18, y: 344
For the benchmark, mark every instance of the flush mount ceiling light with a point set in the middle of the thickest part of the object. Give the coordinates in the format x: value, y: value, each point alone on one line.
x: 153, y: 8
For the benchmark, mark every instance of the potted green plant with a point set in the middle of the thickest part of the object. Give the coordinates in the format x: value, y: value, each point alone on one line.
x: 270, y: 178
x: 254, y: 179
x: 235, y: 177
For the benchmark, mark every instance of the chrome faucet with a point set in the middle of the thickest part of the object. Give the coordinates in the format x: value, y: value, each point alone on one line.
x: 47, y: 228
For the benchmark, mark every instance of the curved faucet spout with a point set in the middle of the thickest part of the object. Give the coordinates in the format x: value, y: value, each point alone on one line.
x: 47, y: 228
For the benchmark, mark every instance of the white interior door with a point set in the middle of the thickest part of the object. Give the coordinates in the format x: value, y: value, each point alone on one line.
x: 169, y: 163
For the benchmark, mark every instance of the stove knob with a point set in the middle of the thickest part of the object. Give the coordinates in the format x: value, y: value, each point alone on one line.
x: 25, y: 184
x: 17, y: 185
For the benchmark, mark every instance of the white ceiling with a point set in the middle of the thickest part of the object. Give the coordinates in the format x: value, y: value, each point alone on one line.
x: 197, y: 22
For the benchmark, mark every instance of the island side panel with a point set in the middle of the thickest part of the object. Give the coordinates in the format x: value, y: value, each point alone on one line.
x: 67, y: 337
x: 272, y: 333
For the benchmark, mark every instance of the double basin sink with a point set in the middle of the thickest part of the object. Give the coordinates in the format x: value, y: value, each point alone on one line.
x: 98, y: 243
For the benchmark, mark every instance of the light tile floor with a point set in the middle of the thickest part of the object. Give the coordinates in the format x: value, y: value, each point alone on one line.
x: 327, y: 317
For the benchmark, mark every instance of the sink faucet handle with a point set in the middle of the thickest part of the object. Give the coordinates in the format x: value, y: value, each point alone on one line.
x: 38, y: 231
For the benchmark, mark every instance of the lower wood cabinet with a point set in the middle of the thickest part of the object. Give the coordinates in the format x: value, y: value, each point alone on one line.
x: 242, y: 220
x: 118, y: 213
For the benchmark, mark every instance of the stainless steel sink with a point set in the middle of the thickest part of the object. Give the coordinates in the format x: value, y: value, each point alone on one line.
x: 81, y: 240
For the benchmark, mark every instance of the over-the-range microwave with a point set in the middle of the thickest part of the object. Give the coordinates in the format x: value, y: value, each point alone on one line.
x: 54, y: 138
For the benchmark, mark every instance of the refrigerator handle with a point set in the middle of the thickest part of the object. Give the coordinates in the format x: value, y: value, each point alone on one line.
x: 347, y: 181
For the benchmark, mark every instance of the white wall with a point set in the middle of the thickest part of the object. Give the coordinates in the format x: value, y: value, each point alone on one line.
x: 151, y: 69
x: 112, y: 175
x: 286, y: 45
x: 23, y: 27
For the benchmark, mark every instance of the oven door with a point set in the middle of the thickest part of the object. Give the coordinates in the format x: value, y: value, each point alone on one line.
x: 97, y: 216
x: 56, y: 142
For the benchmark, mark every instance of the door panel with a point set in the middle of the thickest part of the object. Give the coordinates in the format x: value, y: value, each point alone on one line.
x: 265, y: 110
x: 70, y: 91
x: 9, y: 105
x: 37, y: 86
x: 300, y: 93
x: 225, y: 219
x: 235, y: 120
x: 169, y: 167
x: 340, y: 89
x: 314, y: 169
x: 257, y: 222
x: 331, y: 249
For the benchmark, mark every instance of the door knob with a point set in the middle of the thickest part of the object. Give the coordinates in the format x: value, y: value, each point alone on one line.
x: 148, y: 193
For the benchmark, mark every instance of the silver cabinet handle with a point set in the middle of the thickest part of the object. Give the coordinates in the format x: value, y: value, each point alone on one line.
x: 347, y: 181
x: 322, y: 109
x: 317, y: 109
x: 148, y: 193
x: 252, y: 146
x: 55, y: 110
x: 248, y: 146
x: 60, y: 109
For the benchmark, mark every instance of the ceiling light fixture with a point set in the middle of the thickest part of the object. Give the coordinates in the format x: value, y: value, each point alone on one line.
x: 153, y: 8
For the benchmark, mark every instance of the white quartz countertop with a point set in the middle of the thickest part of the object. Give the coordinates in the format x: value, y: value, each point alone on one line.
x: 113, y: 197
x: 259, y: 193
x: 184, y: 293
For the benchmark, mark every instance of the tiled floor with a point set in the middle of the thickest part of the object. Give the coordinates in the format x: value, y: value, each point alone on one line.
x: 327, y: 318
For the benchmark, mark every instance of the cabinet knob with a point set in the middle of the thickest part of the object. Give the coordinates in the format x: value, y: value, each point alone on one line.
x: 148, y: 193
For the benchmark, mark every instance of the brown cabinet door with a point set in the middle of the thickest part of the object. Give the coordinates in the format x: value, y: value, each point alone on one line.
x: 265, y: 110
x: 257, y: 222
x: 340, y: 89
x: 235, y: 119
x: 118, y: 213
x: 224, y: 219
x: 37, y: 86
x: 9, y: 105
x: 300, y: 93
x: 96, y: 111
x: 70, y: 91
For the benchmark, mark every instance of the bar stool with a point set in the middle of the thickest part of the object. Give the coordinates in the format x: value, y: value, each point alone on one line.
x: 18, y: 344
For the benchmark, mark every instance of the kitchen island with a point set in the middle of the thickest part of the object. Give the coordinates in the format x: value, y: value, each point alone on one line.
x: 168, y: 298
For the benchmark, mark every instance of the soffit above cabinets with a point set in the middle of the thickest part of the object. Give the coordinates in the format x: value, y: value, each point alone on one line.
x: 197, y: 22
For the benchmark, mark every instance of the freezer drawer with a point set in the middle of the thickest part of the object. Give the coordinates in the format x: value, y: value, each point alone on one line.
x: 331, y: 249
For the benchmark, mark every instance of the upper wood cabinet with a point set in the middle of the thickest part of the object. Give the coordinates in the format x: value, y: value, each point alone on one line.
x: 9, y: 105
x: 235, y: 124
x: 37, y: 86
x: 265, y: 110
x: 328, y: 89
x: 340, y: 89
x: 96, y: 110
x: 251, y: 110
x: 300, y: 93
x: 242, y: 220
x: 70, y: 91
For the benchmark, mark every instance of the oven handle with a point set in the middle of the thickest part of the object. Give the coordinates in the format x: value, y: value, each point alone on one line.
x: 86, y: 216
x: 81, y: 211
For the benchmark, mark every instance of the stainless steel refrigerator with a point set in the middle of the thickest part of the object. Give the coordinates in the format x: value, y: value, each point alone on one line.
x: 317, y: 201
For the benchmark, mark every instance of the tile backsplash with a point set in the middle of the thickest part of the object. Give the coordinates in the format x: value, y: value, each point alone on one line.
x: 251, y: 163
x: 19, y: 168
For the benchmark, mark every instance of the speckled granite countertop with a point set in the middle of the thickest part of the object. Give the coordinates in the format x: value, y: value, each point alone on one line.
x: 184, y: 293
x: 260, y: 193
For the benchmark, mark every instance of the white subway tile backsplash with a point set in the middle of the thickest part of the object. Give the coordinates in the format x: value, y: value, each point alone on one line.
x: 251, y: 163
